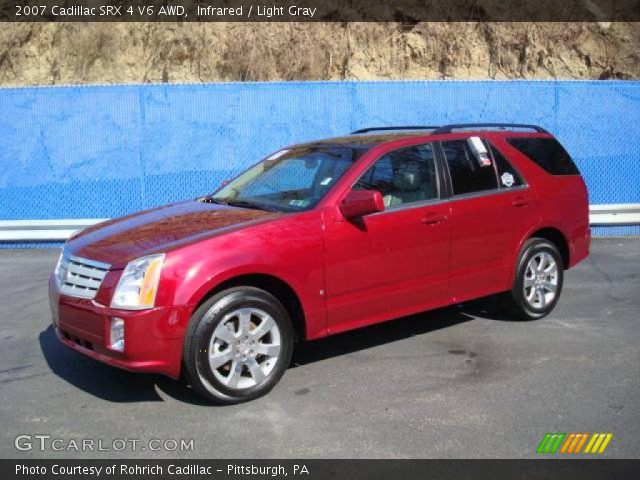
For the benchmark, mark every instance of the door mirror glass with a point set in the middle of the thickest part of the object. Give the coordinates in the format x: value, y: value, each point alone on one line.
x: 358, y: 203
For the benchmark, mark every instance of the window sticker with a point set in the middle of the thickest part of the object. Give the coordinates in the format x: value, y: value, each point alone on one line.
x: 299, y: 203
x: 326, y: 181
x: 507, y: 179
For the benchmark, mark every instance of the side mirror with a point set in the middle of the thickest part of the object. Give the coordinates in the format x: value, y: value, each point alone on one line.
x: 358, y: 203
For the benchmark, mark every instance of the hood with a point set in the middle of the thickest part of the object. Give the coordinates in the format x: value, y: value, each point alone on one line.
x: 123, y: 239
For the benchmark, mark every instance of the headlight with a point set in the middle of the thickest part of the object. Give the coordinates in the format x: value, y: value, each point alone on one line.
x: 138, y: 284
x: 60, y: 272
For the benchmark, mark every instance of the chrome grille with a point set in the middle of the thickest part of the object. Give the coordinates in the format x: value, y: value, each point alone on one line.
x: 80, y: 277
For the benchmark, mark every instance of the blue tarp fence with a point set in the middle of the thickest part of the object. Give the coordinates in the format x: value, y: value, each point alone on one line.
x: 105, y: 151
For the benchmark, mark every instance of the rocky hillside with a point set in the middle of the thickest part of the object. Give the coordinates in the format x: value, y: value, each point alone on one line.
x: 45, y: 54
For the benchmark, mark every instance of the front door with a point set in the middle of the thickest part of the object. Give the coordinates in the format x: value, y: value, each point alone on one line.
x: 394, y: 262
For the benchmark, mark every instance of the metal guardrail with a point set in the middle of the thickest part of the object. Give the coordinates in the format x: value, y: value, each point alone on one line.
x: 614, y: 214
x: 42, y: 230
x: 59, y: 230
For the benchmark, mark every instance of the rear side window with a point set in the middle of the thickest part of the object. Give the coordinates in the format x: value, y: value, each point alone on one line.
x: 547, y: 153
x: 468, y: 175
x: 507, y: 175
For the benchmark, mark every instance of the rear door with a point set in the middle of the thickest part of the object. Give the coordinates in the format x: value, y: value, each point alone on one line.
x: 393, y: 262
x: 491, y: 209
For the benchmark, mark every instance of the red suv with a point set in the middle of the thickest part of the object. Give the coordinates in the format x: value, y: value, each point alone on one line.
x: 320, y: 238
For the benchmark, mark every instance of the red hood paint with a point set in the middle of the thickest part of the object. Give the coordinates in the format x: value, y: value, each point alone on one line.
x: 123, y: 239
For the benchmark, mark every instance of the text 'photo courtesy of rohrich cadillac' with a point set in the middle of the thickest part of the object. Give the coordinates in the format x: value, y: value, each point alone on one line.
x: 182, y: 470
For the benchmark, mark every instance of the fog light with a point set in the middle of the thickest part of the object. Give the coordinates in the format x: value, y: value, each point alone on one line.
x: 116, y: 334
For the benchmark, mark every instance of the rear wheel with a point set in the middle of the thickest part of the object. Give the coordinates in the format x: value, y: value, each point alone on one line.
x: 238, y: 345
x: 538, y: 280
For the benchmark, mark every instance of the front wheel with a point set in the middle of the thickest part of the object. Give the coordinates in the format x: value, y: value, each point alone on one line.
x: 238, y: 345
x: 538, y: 280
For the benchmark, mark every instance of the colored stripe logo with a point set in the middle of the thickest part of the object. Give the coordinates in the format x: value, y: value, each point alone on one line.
x: 574, y: 442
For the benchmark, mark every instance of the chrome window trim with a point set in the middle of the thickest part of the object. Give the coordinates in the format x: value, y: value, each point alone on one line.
x: 408, y: 206
x: 486, y: 193
x: 466, y: 196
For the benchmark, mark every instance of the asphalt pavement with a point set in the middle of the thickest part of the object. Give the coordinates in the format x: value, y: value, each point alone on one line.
x: 463, y: 382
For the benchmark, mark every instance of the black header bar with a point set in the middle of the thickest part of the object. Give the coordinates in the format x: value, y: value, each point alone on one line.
x: 406, y: 11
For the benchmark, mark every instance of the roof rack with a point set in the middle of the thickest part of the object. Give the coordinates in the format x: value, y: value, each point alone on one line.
x: 449, y: 128
x: 409, y: 127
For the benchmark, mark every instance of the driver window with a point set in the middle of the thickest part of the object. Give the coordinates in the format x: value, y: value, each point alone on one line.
x: 404, y: 176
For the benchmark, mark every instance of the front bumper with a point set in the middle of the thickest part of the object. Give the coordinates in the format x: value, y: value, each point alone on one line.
x: 153, y: 339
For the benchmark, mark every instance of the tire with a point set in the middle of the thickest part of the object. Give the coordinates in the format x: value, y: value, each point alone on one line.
x: 532, y: 295
x: 248, y: 330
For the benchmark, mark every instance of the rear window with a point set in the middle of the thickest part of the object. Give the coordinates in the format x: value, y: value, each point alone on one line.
x: 468, y: 175
x: 547, y: 153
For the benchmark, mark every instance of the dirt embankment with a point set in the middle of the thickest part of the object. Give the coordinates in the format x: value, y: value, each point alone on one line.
x: 45, y: 54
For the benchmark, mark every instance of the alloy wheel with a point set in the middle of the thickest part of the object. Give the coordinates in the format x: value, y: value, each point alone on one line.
x: 244, y: 348
x: 540, y: 280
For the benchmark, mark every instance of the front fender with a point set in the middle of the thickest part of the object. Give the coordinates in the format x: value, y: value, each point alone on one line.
x: 293, y: 254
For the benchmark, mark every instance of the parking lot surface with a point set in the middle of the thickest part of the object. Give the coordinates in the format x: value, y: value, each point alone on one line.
x: 464, y: 381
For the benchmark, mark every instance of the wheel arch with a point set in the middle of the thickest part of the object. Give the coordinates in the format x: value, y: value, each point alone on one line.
x: 273, y: 285
x: 555, y: 236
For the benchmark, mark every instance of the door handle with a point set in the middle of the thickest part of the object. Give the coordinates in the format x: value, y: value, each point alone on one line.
x: 520, y: 202
x: 432, y: 218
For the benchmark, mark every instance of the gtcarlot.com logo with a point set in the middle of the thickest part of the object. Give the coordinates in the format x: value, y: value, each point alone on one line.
x: 574, y: 443
x: 43, y: 443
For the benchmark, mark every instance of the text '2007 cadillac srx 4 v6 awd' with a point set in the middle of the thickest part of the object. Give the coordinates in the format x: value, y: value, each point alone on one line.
x: 320, y: 238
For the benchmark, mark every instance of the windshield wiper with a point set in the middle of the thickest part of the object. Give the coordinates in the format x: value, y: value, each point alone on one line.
x: 241, y: 204
x: 247, y: 204
x: 210, y: 199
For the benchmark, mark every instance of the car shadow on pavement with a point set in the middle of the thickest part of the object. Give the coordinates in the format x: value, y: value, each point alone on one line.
x: 106, y: 382
x: 394, y: 330
x: 116, y: 385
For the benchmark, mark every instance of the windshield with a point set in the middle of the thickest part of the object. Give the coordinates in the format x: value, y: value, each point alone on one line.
x: 289, y: 180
